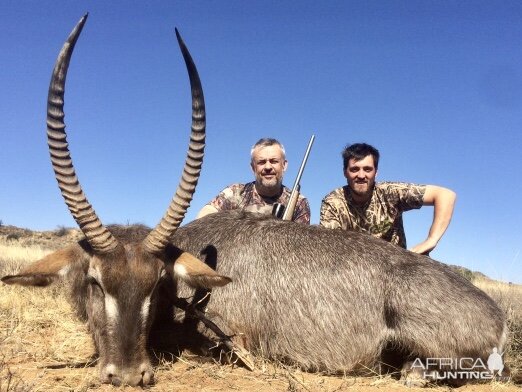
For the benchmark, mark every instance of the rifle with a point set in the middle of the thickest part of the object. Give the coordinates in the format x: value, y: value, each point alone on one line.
x: 290, y: 208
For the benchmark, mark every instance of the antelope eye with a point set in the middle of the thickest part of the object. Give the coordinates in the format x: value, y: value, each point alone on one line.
x: 95, y: 286
x: 92, y: 281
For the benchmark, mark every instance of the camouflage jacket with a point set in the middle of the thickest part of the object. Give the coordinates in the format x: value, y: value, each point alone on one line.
x: 381, y: 216
x: 245, y: 197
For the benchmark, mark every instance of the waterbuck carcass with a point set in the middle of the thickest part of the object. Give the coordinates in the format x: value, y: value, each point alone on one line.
x: 324, y: 300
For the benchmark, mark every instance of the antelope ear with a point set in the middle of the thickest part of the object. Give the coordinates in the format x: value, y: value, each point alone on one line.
x: 45, y: 271
x: 196, y: 273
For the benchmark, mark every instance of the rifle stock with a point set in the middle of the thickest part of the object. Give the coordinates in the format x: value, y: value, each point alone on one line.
x: 290, y: 207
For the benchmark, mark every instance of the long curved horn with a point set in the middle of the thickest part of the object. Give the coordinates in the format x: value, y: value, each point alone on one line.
x: 98, y: 236
x: 157, y: 239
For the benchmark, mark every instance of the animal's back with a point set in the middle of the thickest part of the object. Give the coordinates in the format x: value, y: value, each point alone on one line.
x: 291, y: 291
x: 328, y: 299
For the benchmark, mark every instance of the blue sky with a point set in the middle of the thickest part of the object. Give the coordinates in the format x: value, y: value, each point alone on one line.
x: 435, y: 85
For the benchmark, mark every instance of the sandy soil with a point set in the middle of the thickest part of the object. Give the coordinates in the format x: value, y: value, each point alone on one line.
x: 186, y: 375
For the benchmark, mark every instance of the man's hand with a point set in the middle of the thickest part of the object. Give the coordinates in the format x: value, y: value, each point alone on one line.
x: 425, y: 247
x: 206, y: 210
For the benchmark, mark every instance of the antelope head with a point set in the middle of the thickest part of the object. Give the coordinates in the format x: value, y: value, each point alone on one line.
x: 116, y: 279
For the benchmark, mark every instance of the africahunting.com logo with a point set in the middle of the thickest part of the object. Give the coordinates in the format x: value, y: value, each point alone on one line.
x: 436, y: 369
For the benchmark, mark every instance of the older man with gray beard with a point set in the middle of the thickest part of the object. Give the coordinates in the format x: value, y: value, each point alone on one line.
x: 268, y: 163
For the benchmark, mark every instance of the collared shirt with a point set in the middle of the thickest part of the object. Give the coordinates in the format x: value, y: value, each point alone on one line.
x: 245, y: 197
x: 381, y: 216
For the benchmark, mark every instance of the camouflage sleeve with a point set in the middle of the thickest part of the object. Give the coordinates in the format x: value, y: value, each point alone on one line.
x: 226, y: 199
x: 329, y: 215
x: 407, y: 196
x: 302, y: 211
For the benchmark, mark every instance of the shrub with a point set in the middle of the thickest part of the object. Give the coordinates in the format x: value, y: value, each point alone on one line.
x: 60, y: 231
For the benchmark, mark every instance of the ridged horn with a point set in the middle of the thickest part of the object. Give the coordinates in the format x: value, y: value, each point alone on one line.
x: 158, y: 238
x: 100, y: 239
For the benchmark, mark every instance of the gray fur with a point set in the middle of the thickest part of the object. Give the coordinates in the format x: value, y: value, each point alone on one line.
x: 322, y: 299
x: 333, y: 300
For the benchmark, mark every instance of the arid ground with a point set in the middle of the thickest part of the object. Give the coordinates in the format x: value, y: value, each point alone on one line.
x: 44, y: 348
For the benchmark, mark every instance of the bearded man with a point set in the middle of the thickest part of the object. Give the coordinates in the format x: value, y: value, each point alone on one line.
x: 376, y: 208
x: 268, y: 163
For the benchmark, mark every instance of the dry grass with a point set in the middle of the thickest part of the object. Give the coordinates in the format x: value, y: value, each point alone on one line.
x: 39, y: 331
x: 37, y: 327
x: 509, y: 297
x: 14, y: 256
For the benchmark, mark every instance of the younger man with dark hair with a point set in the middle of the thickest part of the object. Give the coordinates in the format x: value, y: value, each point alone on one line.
x: 376, y: 208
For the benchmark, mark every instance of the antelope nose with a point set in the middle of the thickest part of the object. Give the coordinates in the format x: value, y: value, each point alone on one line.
x: 141, y: 376
x: 132, y: 379
x: 109, y: 375
x: 147, y: 376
